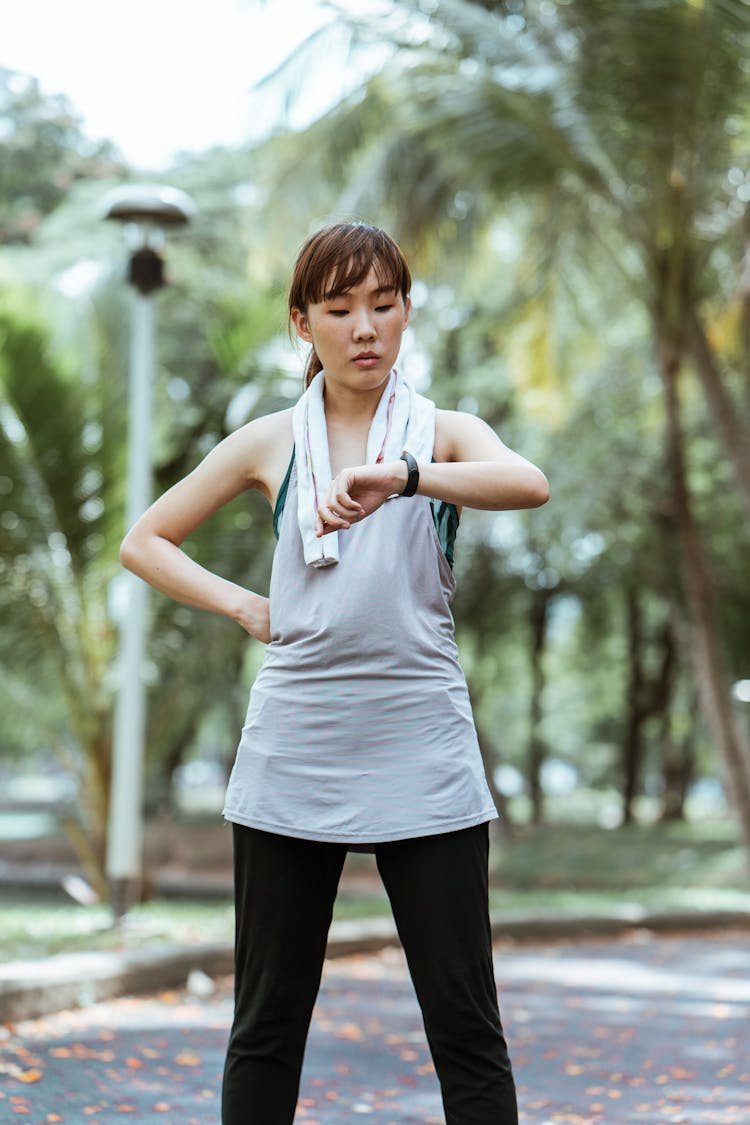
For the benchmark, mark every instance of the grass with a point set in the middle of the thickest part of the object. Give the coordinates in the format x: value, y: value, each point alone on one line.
x: 587, y: 858
x: 557, y: 868
x: 571, y: 866
x: 41, y: 930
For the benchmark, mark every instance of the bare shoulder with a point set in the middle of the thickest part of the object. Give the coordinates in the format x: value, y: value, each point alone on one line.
x: 262, y: 436
x: 264, y: 446
x: 250, y: 457
x: 464, y: 437
x: 270, y: 426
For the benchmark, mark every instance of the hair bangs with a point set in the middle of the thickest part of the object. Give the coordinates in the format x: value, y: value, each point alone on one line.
x: 338, y: 258
x: 353, y: 271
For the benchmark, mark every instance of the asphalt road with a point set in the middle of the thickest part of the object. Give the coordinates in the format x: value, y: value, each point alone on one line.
x: 640, y: 1030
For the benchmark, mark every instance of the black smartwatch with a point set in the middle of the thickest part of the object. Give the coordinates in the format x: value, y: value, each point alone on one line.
x: 413, y: 478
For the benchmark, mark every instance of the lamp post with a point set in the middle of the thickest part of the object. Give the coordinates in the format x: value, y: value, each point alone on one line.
x: 147, y: 210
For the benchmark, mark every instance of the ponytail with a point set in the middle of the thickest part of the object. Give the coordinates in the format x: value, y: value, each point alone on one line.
x: 312, y: 367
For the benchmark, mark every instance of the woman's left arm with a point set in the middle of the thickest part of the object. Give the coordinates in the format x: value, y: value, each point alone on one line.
x: 476, y: 469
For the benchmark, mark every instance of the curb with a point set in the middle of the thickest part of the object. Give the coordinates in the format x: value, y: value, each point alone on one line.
x: 29, y: 989
x: 553, y: 927
x: 47, y: 878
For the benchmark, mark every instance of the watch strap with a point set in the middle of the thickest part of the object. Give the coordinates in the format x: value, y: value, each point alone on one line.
x: 412, y: 479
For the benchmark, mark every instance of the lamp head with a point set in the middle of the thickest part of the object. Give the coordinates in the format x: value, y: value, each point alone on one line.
x: 155, y: 205
x: 146, y: 210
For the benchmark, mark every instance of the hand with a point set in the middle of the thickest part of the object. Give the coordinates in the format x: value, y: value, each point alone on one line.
x: 357, y: 493
x: 254, y: 615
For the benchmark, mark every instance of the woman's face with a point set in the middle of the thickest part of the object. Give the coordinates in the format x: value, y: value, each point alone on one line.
x: 357, y: 335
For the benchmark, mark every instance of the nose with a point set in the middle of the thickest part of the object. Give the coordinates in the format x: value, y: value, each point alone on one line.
x: 364, y: 325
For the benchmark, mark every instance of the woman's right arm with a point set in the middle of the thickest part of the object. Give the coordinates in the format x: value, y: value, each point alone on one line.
x: 151, y: 548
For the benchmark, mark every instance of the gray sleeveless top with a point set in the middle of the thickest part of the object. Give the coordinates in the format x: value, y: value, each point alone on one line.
x: 359, y: 726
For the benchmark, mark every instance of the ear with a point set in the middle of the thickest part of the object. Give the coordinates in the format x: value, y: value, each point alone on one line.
x: 407, y: 310
x: 302, y: 325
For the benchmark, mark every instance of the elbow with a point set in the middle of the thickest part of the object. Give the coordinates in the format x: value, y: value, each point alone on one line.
x: 541, y: 490
x: 528, y: 488
x: 535, y: 490
x: 128, y: 553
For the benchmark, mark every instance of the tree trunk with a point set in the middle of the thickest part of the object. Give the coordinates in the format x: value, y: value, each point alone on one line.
x: 678, y: 766
x: 538, y: 623
x: 632, y: 748
x: 735, y: 435
x: 745, y: 298
x: 646, y: 697
x: 712, y: 681
x: 503, y: 826
x: 677, y: 758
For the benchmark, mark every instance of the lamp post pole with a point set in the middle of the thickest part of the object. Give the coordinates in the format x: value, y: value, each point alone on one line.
x: 125, y: 830
x: 148, y: 208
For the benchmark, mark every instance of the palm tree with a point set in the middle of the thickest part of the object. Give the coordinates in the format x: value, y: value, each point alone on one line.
x: 62, y: 452
x: 60, y: 461
x: 628, y: 120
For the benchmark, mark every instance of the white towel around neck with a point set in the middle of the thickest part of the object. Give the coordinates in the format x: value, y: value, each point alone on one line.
x: 403, y: 420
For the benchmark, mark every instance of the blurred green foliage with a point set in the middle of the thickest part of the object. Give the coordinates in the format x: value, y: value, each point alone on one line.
x: 43, y: 151
x: 569, y: 181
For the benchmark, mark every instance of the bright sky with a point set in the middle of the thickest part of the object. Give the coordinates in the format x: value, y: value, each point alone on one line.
x: 158, y: 76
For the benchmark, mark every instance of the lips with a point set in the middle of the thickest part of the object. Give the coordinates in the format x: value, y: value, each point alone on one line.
x: 366, y: 360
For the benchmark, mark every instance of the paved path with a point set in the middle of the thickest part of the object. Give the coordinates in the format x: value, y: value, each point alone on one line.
x: 645, y: 1030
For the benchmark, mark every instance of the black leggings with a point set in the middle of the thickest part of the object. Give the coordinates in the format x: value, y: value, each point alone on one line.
x: 437, y: 885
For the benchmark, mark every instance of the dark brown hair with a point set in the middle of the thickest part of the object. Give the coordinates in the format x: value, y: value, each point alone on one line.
x: 335, y: 260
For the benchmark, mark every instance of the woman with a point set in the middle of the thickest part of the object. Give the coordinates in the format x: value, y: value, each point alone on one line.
x: 359, y: 733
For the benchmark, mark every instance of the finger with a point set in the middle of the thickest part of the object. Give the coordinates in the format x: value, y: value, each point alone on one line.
x: 333, y: 518
x: 328, y: 528
x: 344, y: 502
x: 340, y: 504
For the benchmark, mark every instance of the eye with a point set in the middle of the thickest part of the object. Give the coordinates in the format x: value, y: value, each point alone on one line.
x: 338, y: 312
x: 383, y: 308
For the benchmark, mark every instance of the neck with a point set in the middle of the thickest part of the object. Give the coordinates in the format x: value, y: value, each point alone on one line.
x: 347, y: 407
